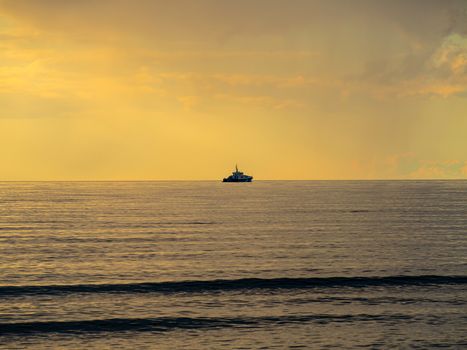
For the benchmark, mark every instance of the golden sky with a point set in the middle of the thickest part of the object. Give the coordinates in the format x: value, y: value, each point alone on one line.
x: 301, y: 89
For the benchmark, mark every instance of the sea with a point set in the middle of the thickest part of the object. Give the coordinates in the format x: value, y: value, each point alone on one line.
x: 211, y: 265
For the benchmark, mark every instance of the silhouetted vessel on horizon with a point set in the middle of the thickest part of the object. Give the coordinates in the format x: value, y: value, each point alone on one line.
x: 238, y: 176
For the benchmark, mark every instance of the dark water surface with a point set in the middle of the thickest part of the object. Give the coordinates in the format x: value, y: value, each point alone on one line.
x: 210, y: 265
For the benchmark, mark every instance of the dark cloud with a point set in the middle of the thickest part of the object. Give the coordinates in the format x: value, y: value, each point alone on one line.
x: 186, y: 20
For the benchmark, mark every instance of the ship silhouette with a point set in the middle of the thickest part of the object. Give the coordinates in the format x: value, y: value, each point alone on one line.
x: 238, y: 176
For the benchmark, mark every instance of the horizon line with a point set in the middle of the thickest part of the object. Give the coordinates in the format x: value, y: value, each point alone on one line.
x: 255, y: 180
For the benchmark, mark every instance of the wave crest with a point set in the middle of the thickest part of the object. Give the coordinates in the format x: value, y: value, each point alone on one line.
x: 234, y: 284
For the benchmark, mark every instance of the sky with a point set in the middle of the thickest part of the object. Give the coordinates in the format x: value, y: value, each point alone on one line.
x: 184, y: 89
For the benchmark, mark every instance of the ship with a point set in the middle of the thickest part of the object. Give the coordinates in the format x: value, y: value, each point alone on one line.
x: 238, y: 176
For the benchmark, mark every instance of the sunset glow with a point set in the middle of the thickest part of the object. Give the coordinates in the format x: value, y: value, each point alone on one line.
x: 141, y: 90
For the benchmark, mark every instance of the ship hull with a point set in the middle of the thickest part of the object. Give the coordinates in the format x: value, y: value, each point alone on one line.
x: 237, y: 180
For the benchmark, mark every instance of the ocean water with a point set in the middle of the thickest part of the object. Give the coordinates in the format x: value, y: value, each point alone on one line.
x: 211, y: 265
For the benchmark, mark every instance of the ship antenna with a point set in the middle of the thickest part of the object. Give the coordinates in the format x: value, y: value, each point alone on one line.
x: 236, y: 168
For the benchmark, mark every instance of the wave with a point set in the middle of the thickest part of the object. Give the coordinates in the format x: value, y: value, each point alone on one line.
x: 161, y: 324
x: 234, y: 284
